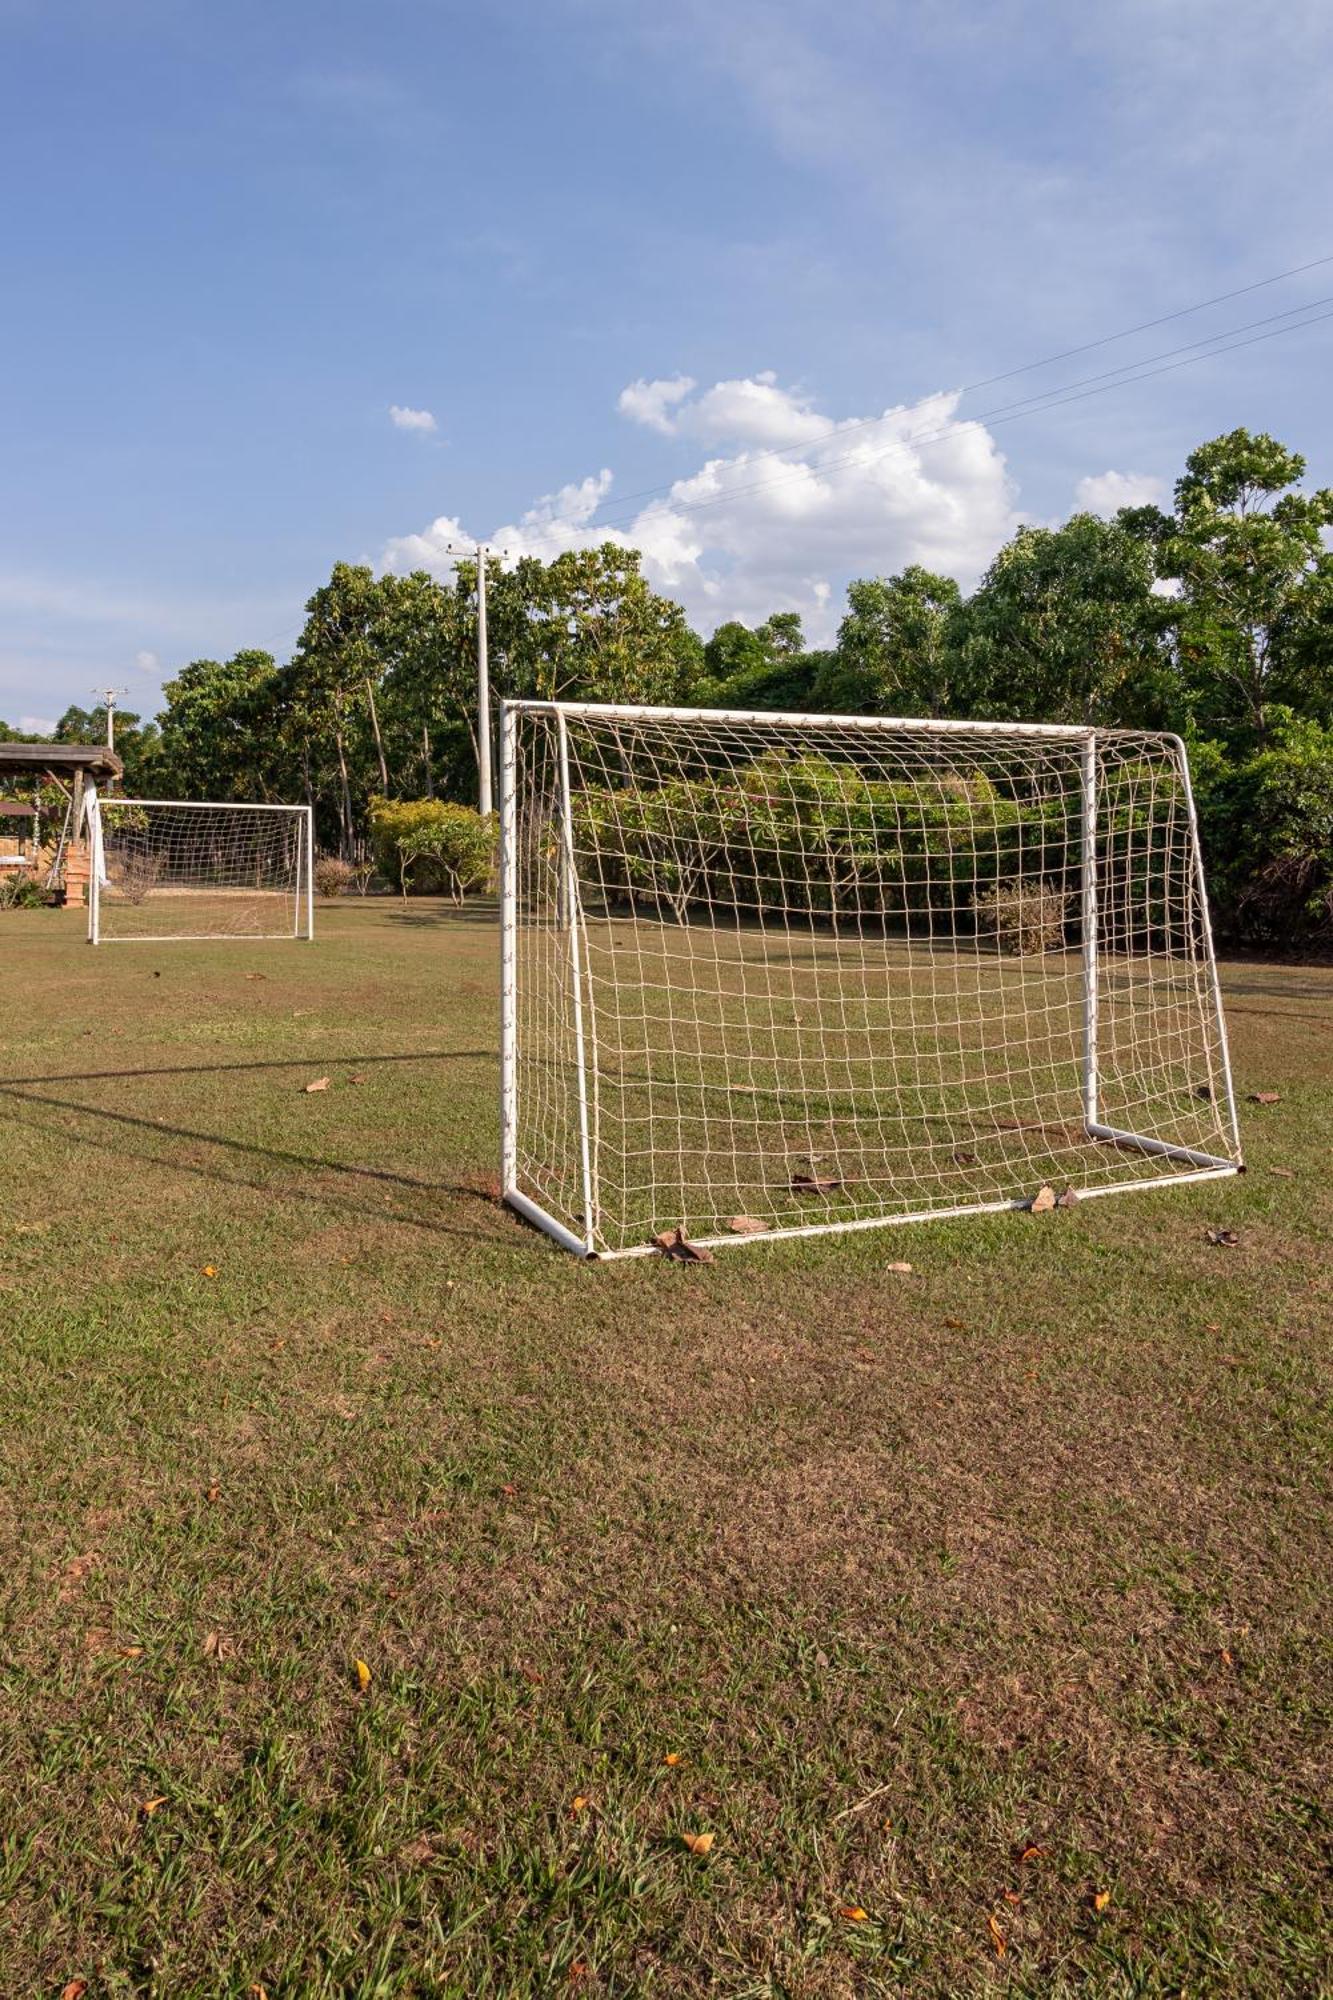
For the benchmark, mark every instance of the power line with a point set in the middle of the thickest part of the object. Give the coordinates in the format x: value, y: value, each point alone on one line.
x: 1092, y: 385
x: 1007, y: 375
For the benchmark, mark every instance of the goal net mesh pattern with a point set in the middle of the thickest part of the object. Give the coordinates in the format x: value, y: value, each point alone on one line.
x: 794, y: 972
x: 165, y: 870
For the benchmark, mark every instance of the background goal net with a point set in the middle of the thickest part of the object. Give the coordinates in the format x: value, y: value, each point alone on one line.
x: 166, y: 869
x: 769, y: 974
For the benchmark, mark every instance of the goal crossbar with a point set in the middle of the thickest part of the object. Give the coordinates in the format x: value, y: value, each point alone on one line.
x: 876, y: 969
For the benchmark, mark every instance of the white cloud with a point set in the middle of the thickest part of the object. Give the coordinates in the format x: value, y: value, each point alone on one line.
x: 749, y: 533
x: 1107, y: 492
x: 38, y: 725
x: 651, y: 403
x: 146, y: 662
x: 404, y: 419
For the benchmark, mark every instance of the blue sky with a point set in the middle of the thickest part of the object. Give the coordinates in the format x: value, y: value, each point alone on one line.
x: 236, y: 238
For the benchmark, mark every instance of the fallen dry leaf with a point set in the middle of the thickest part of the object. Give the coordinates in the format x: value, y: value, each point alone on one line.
x: 747, y: 1225
x: 814, y: 1183
x: 1033, y: 1853
x: 578, y: 1970
x: 699, y: 1843
x: 149, y: 1806
x: 256, y: 1992
x: 129, y: 1652
x: 1067, y: 1199
x: 73, y: 1989
x: 530, y: 1675
x: 1283, y: 1173
x: 672, y: 1758
x: 212, y: 1495
x: 853, y: 1913
x: 212, y: 1641
x: 1101, y: 1899
x: 675, y: 1243
x: 997, y: 1936
x: 1012, y: 1896
x: 362, y: 1674
x: 209, y: 1271
x: 576, y: 1805
x: 1228, y: 1659
x: 902, y: 1266
x: 1265, y: 1097
x: 256, y: 975
x: 320, y: 1083
x: 1228, y: 1237
x: 958, y: 1325
x: 1043, y: 1201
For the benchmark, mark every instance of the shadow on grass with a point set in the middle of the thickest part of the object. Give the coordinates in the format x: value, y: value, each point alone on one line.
x: 223, y: 1069
x: 473, y: 1192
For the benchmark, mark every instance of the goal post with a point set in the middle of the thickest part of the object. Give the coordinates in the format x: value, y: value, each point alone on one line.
x: 766, y: 975
x: 167, y: 870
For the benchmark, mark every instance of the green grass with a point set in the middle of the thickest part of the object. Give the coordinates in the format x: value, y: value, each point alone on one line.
x: 1028, y: 1550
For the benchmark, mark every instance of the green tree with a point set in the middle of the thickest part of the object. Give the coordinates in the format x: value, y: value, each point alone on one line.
x: 1255, y: 614
x: 1065, y: 627
x: 588, y: 627
x: 221, y: 734
x: 895, y: 650
x: 138, y: 743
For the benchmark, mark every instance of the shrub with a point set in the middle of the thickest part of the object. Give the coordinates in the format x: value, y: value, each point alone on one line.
x: 1270, y: 827
x: 433, y: 845
x: 22, y: 891
x: 1022, y: 917
x: 332, y: 876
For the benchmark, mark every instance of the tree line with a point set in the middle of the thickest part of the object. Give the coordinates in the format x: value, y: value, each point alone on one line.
x: 1213, y: 618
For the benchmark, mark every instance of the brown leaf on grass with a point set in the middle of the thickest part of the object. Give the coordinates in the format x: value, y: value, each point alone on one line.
x: 209, y: 1271
x: 149, y: 1806
x: 358, y: 1078
x: 901, y: 1266
x: 1227, y: 1658
x: 1265, y: 1097
x: 747, y: 1225
x: 1100, y: 1900
x: 1067, y: 1198
x: 212, y: 1495
x: 1031, y: 1853
x: 1012, y: 1896
x: 1283, y: 1173
x: 256, y: 975
x: 578, y: 1970
x: 672, y: 1758
x: 530, y: 1674
x: 129, y: 1652
x: 966, y: 1160
x: 997, y: 1936
x: 853, y: 1912
x: 212, y: 1640
x: 73, y: 1989
x: 699, y: 1843
x: 256, y: 1992
x: 958, y: 1325
x: 1227, y: 1237
x: 1043, y: 1201
x: 675, y: 1243
x: 362, y: 1674
x: 509, y: 1489
x: 815, y: 1183
x: 576, y: 1805
x: 320, y: 1083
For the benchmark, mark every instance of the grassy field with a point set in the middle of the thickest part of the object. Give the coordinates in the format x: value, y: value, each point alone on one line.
x: 980, y: 1615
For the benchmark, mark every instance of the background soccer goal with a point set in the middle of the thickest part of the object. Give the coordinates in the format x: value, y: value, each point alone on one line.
x: 773, y: 974
x: 165, y: 869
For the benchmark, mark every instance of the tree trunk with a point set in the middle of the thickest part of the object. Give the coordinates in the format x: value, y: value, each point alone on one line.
x: 379, y: 740
x: 347, y: 828
x: 425, y: 755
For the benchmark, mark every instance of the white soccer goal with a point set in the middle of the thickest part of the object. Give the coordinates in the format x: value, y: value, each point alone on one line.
x: 766, y: 975
x: 169, y: 869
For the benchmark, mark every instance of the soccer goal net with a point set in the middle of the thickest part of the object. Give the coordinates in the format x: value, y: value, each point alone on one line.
x: 166, y: 869
x: 767, y: 975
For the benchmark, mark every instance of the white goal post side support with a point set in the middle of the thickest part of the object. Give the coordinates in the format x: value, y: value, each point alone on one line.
x: 534, y: 941
x: 300, y: 890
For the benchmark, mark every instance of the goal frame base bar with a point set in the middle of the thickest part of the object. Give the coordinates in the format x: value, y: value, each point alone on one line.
x: 1202, y: 1167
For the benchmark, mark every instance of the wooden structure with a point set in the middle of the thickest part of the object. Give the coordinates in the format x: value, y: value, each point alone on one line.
x: 71, y: 768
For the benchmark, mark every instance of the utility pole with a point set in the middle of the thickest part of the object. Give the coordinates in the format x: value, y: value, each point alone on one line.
x: 109, y: 698
x: 481, y: 550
